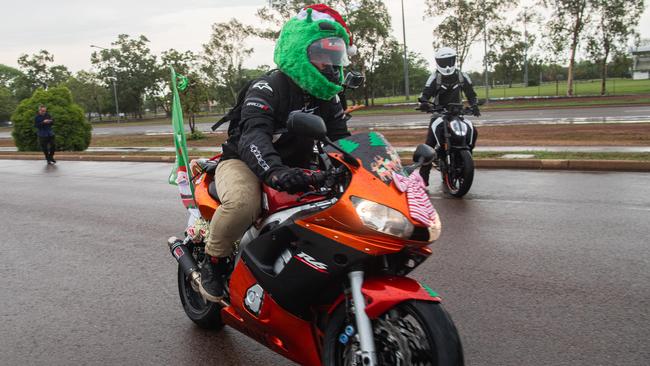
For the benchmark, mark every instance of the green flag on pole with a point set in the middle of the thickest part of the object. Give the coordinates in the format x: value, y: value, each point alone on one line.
x: 180, y: 172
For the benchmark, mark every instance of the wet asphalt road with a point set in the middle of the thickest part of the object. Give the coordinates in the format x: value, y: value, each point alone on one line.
x: 568, y: 115
x: 536, y: 268
x: 629, y: 114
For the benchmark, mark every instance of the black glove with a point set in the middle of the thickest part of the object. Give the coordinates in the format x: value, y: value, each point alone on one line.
x: 292, y: 180
x: 475, y: 110
x: 424, y: 105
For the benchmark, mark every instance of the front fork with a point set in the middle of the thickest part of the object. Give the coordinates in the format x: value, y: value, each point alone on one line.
x: 364, y: 326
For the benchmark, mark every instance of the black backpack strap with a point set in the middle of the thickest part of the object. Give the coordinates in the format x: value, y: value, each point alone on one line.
x: 220, y: 122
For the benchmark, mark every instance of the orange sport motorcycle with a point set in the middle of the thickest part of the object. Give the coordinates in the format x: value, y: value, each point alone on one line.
x: 320, y: 278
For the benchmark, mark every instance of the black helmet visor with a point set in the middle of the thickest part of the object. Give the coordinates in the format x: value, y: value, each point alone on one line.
x: 446, y: 62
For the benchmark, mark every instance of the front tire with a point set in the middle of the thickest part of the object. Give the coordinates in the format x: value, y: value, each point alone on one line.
x: 458, y: 176
x: 412, y: 333
x: 203, y: 313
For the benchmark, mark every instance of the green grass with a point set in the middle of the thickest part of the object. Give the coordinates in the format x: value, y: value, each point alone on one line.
x: 581, y: 87
x: 566, y: 155
x: 630, y: 100
x: 152, y: 121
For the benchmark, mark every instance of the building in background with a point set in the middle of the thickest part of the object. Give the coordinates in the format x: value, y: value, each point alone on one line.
x: 641, y: 63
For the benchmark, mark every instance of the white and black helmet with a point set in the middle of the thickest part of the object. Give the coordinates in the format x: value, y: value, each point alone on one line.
x: 446, y: 61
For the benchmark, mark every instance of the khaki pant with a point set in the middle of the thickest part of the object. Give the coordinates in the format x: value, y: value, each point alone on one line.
x: 241, y: 203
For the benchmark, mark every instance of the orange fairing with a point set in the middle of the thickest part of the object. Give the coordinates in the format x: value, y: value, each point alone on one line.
x: 341, y: 222
x: 207, y: 204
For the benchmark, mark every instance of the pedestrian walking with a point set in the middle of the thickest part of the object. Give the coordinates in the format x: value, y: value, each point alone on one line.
x: 43, y: 123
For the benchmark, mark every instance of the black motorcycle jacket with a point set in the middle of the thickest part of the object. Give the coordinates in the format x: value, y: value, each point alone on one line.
x: 261, y: 139
x: 446, y: 89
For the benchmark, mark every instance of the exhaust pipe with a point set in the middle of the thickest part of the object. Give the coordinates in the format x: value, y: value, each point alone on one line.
x: 188, y: 265
x: 185, y: 260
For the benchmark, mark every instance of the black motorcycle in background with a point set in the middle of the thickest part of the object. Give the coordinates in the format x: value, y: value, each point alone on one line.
x: 455, y: 139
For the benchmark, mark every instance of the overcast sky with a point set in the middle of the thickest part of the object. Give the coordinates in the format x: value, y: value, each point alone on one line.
x: 67, y: 28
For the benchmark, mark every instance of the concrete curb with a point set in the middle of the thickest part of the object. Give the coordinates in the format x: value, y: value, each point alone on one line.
x: 532, y: 164
x: 560, y: 164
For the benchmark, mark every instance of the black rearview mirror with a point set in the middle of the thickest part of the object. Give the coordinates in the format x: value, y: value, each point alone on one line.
x: 424, y: 154
x: 353, y: 80
x: 307, y: 125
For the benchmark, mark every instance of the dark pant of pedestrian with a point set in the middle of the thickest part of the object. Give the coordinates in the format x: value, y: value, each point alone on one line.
x: 47, y: 145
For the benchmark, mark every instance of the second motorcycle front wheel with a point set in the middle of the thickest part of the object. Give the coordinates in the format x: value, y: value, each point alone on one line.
x: 458, y: 176
x: 412, y: 333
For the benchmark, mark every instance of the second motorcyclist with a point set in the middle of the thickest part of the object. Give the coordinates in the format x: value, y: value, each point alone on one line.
x: 445, y: 86
x: 310, y: 55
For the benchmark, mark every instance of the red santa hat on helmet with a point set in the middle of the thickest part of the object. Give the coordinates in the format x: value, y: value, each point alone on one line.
x: 322, y: 11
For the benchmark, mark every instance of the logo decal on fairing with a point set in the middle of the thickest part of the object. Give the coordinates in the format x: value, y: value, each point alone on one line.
x: 311, y: 262
x: 263, y: 85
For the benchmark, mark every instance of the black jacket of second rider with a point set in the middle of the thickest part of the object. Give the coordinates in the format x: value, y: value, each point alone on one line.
x: 447, y: 89
x: 261, y: 139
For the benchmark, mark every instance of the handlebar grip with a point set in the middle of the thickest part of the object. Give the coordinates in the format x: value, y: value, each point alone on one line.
x: 318, y: 178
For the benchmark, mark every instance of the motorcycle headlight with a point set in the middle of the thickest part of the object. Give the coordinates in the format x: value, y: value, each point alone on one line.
x: 459, y: 128
x: 382, y: 218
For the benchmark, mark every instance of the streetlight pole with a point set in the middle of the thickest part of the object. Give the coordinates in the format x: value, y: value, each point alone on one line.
x: 526, y: 17
x: 117, y: 108
x: 485, y: 61
x: 406, y: 65
x: 114, y: 79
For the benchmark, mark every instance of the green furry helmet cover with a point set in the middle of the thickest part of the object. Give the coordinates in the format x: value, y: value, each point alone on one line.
x: 291, y: 56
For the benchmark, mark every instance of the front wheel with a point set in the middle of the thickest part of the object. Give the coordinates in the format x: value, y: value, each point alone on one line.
x: 459, y: 175
x: 412, y: 333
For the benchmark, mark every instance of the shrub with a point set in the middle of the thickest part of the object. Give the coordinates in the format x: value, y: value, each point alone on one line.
x: 70, y: 127
x: 196, y: 135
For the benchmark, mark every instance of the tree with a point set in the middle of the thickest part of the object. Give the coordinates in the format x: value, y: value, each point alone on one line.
x: 508, y: 54
x: 14, y: 80
x: 38, y: 73
x: 566, y: 26
x: 71, y: 129
x: 615, y: 22
x: 390, y: 68
x: 129, y: 61
x: 224, y: 55
x: 278, y: 13
x: 370, y: 25
x: 7, y: 103
x: 8, y: 76
x: 196, y: 94
x: 9, y: 86
x: 464, y: 22
x: 88, y: 91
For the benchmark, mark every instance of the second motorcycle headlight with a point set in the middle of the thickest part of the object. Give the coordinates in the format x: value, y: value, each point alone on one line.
x: 382, y: 218
x: 459, y: 128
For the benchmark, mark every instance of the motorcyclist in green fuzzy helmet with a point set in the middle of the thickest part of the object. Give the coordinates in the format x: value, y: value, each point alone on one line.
x: 312, y: 51
x: 310, y: 54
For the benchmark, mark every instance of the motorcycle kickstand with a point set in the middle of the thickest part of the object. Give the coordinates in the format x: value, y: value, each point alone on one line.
x: 364, y: 326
